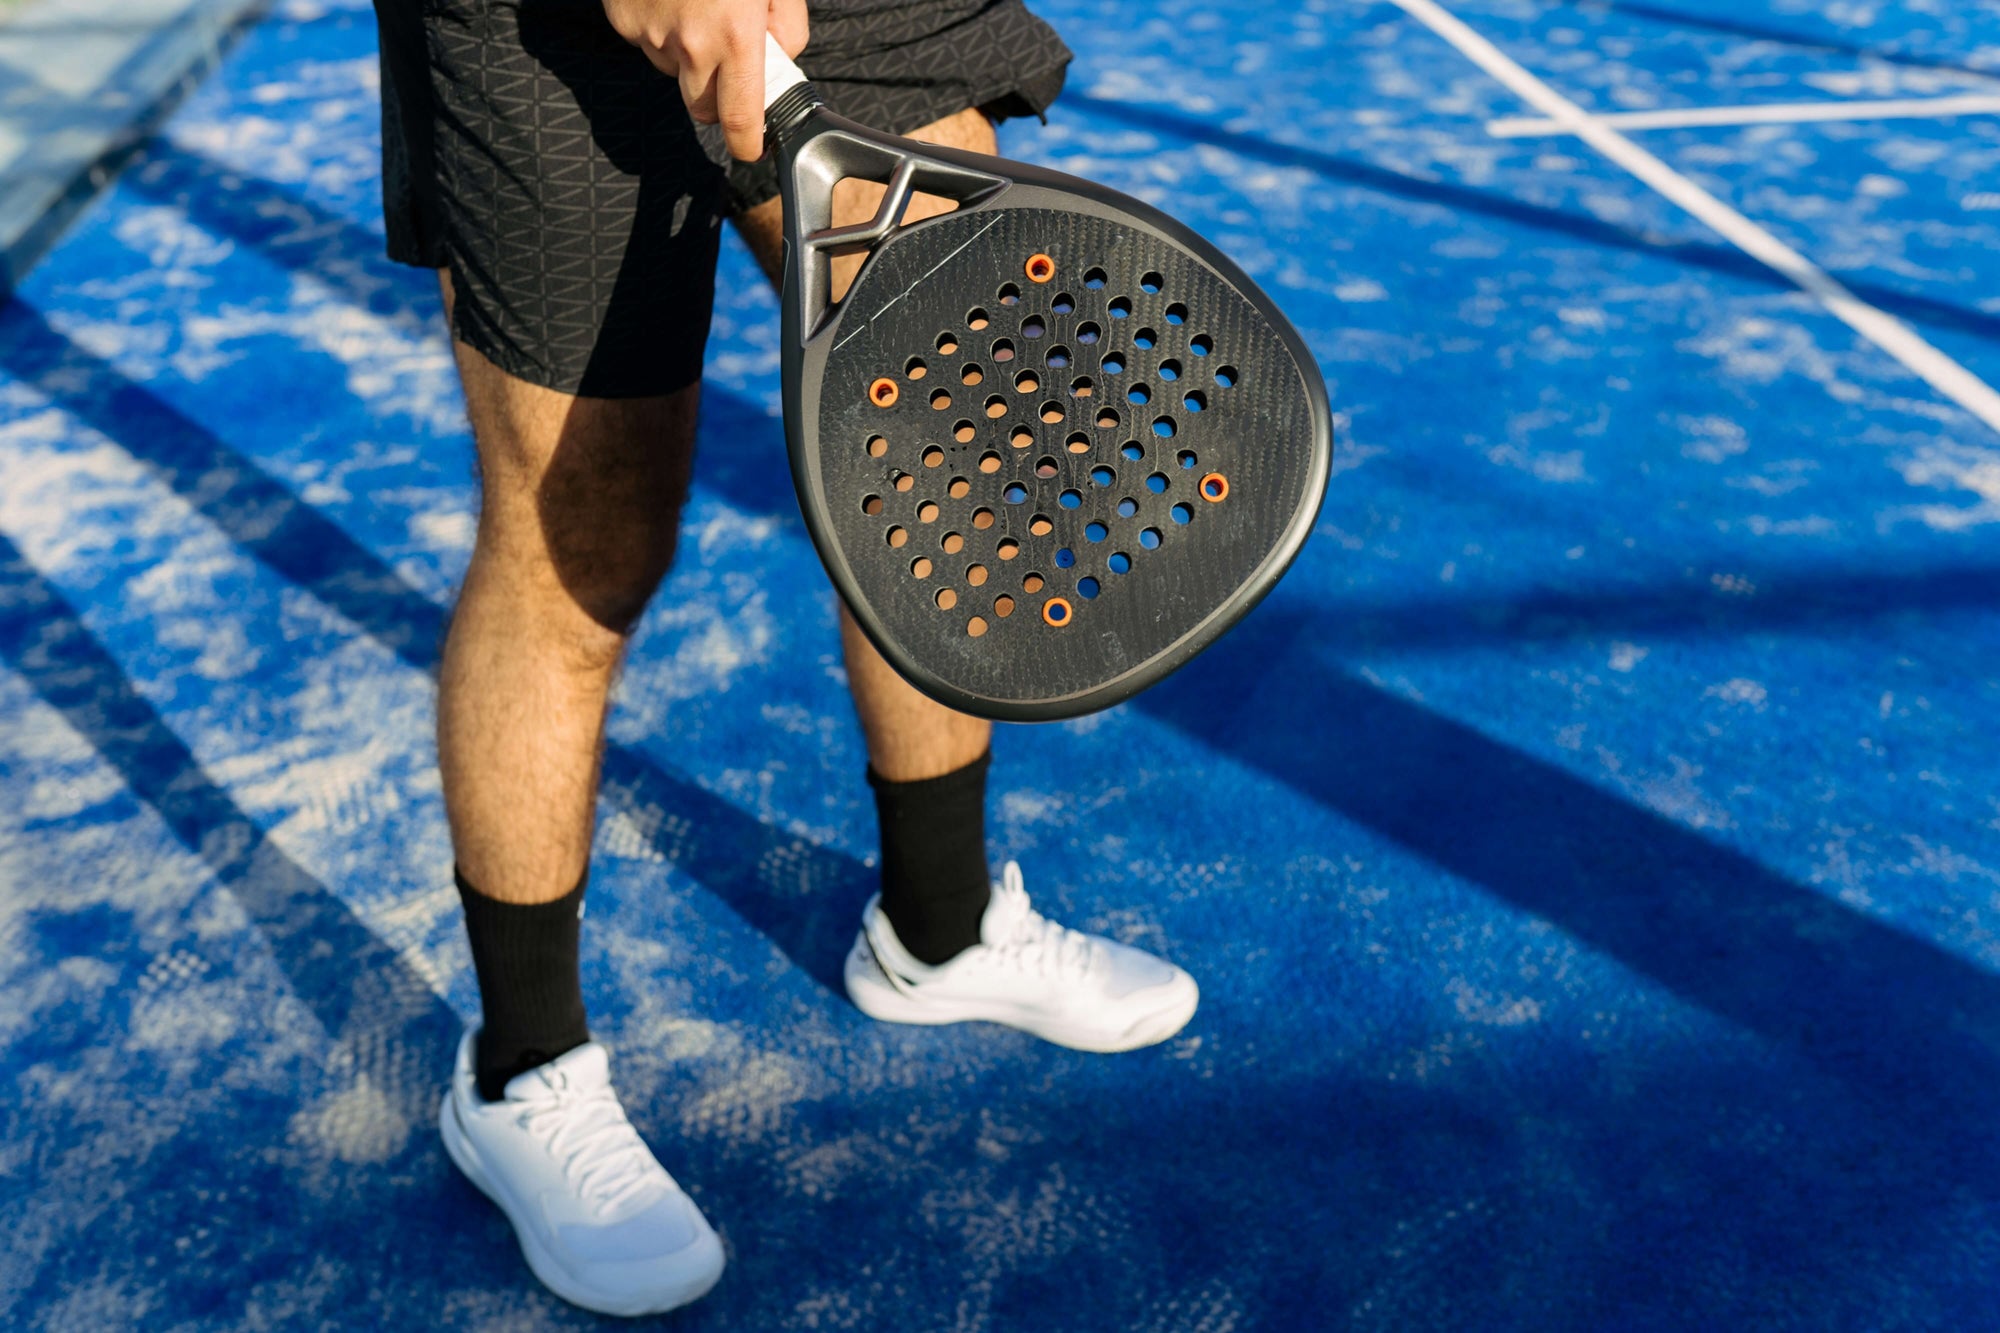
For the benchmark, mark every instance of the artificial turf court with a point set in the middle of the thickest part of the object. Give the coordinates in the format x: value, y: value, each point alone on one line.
x: 1590, y: 854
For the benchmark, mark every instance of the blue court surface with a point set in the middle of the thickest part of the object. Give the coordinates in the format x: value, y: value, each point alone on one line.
x: 1590, y: 854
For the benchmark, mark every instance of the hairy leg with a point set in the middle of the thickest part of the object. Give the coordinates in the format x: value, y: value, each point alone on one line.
x: 581, y: 503
x: 910, y: 736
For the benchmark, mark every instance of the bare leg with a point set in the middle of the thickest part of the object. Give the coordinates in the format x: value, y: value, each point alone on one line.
x: 582, y: 500
x: 909, y: 735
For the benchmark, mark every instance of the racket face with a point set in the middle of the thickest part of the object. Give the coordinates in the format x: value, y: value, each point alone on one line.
x: 1051, y: 445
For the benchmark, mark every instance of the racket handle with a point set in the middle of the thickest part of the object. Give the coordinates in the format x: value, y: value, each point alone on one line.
x: 780, y: 74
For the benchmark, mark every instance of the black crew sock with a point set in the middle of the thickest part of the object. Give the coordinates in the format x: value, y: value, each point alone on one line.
x: 530, y: 991
x: 934, y: 873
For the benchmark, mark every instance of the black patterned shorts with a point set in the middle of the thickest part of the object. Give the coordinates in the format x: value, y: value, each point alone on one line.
x: 555, y: 172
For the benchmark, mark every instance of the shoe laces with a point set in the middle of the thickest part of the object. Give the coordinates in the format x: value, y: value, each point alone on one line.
x: 584, y: 1128
x: 1032, y: 942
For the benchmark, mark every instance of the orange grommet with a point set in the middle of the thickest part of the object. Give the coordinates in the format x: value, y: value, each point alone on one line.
x: 1040, y: 268
x: 1214, y: 488
x: 883, y: 392
x: 1056, y: 612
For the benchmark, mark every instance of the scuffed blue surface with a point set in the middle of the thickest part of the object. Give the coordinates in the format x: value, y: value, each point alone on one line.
x: 1590, y: 855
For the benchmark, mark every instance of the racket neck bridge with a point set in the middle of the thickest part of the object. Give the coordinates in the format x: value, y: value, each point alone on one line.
x: 816, y: 151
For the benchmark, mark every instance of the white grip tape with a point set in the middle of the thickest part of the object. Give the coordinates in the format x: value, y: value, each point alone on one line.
x: 780, y: 74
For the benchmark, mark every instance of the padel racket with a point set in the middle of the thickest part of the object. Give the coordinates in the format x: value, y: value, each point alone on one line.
x: 1050, y: 445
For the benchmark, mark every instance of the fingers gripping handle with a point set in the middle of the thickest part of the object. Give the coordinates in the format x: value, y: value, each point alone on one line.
x: 780, y: 74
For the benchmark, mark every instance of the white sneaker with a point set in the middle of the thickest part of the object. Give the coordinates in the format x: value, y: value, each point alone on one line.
x: 601, y: 1222
x: 1073, y: 989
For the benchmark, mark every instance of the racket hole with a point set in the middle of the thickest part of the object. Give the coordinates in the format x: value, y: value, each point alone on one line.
x: 899, y: 538
x: 976, y: 575
x: 1157, y: 483
x: 1040, y: 526
x: 1010, y: 294
x: 982, y: 519
x: 947, y: 343
x: 1003, y: 606
x: 1120, y: 307
x: 1065, y: 557
x: 1196, y: 401
x: 1151, y: 283
x: 1139, y: 394
x: 989, y: 462
x: 1033, y: 583
x: 1070, y: 499
x: 959, y: 488
x: 927, y: 512
x: 877, y: 446
x: 1008, y: 548
x: 1214, y: 488
x: 996, y: 407
x: 1040, y: 268
x: 1201, y: 344
x: 883, y: 392
x: 1095, y: 279
x: 1056, y: 612
x: 1052, y: 411
x: 1003, y: 350
x: 1145, y: 338
x: 1113, y: 364
x: 977, y: 318
x: 1177, y: 313
x: 921, y: 567
x: 871, y: 505
x: 946, y: 598
x: 1183, y: 513
x: 952, y: 543
x: 1045, y: 467
x: 972, y: 374
x: 1127, y: 507
x: 1015, y: 493
x: 940, y: 401
x: 1063, y: 304
x: 975, y: 627
x: 1163, y: 427
x: 1021, y: 438
x: 1133, y: 450
x: 1185, y: 458
x: 1095, y: 532
x: 1081, y: 387
x: 1058, y: 357
x: 1086, y: 587
x: 1026, y: 382
x: 1170, y: 370
x: 1118, y: 562
x: 933, y: 456
x: 1078, y: 443
x: 1107, y: 419
x: 1102, y: 476
x: 903, y: 481
x: 915, y: 368
x: 1149, y: 538
x: 1088, y: 333
x: 963, y: 432
x: 1033, y: 327
x: 1225, y: 376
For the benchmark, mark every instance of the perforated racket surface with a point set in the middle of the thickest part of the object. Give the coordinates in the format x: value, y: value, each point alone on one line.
x: 1049, y: 446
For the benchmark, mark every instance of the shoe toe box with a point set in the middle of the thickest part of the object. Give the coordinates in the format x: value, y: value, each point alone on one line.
x: 662, y: 1255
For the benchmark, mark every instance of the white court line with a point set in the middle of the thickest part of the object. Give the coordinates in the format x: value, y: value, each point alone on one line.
x: 1772, y: 113
x: 1927, y: 362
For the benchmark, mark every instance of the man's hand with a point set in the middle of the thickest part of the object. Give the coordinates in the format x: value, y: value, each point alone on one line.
x: 716, y: 49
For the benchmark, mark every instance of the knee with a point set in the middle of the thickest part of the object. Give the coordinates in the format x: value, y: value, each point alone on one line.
x: 610, y: 558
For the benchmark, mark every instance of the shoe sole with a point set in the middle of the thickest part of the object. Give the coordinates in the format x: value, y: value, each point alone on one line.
x: 880, y: 1000
x: 465, y: 1157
